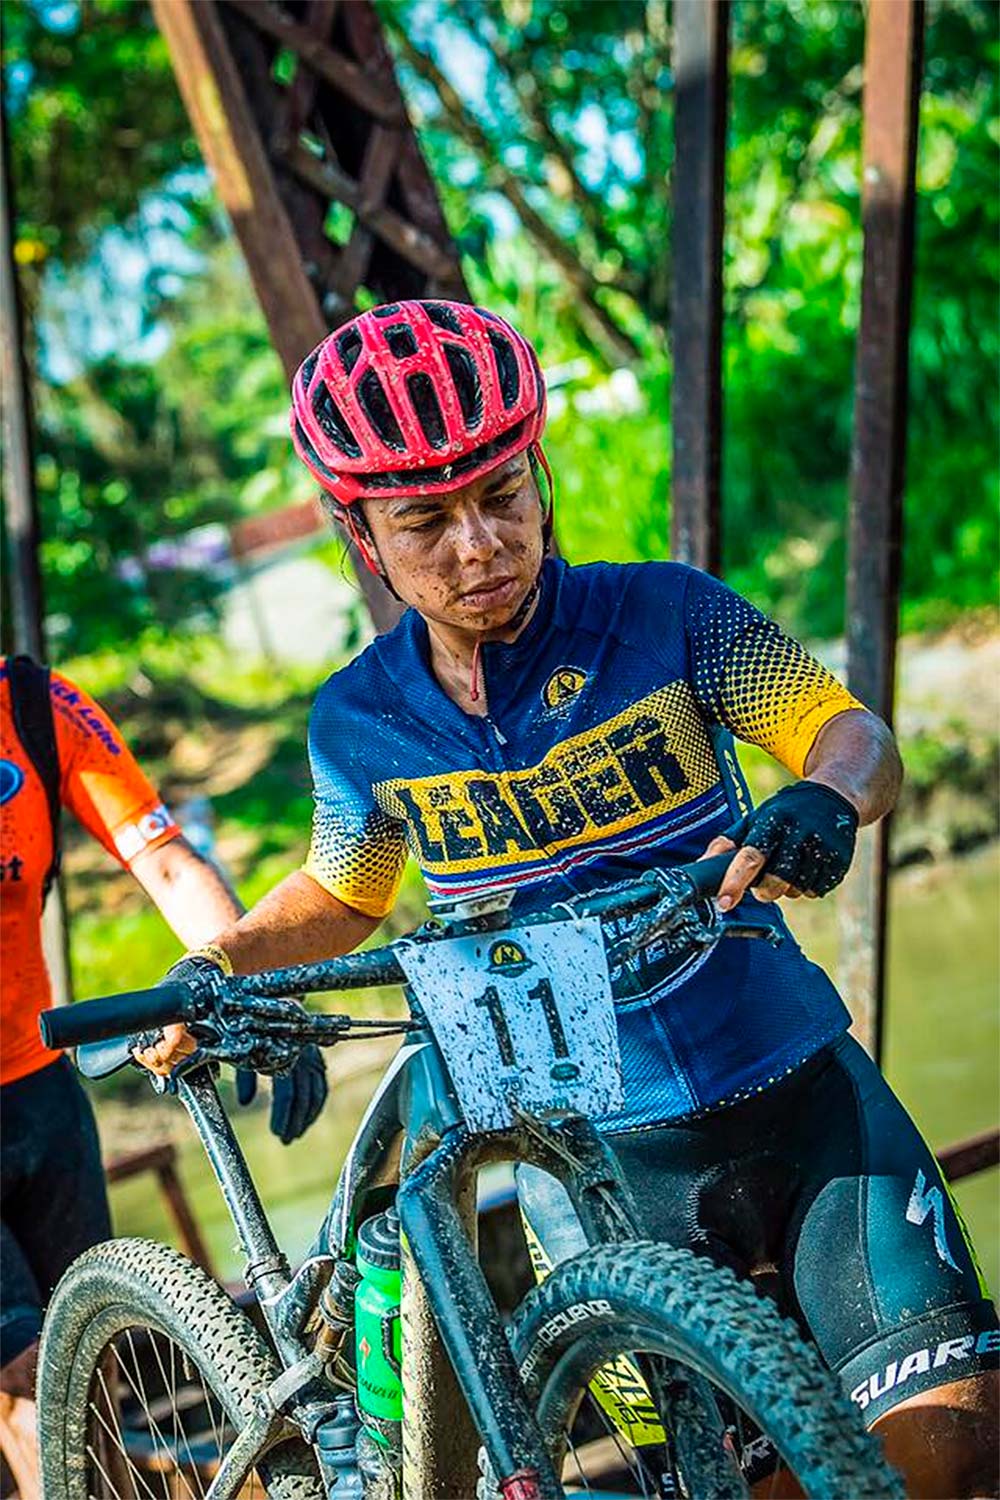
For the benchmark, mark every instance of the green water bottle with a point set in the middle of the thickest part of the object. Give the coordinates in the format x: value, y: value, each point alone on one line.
x: 378, y: 1343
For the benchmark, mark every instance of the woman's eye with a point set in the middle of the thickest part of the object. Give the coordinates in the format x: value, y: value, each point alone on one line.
x: 505, y: 498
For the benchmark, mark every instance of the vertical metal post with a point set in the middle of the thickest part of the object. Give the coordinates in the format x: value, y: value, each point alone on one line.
x: 893, y: 54
x: 20, y: 511
x: 701, y: 32
x: 20, y: 504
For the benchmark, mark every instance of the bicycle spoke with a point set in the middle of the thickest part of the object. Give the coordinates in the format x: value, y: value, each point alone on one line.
x: 140, y: 1390
x: 174, y: 1451
x: 118, y: 1440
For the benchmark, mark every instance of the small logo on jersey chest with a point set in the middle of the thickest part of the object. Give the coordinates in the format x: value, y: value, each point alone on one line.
x: 563, y: 686
x: 11, y: 780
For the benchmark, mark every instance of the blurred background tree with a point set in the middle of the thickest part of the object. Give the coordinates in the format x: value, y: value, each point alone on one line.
x: 548, y: 125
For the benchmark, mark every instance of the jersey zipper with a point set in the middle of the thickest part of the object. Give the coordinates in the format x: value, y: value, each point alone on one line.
x: 487, y: 717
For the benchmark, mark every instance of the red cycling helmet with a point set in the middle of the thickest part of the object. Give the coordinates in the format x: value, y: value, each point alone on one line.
x: 415, y: 398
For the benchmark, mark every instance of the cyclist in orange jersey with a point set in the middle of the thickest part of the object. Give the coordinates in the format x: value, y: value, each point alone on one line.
x: 54, y: 1203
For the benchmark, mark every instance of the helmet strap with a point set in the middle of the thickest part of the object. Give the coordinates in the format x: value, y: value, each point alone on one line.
x: 359, y: 534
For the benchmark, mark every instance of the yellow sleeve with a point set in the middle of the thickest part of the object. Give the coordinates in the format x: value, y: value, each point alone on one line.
x: 754, y: 679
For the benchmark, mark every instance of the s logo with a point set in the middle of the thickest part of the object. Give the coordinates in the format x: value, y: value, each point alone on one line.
x: 11, y: 780
x: 563, y: 686
x: 508, y: 957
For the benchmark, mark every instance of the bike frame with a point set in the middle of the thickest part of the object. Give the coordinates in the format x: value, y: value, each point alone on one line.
x: 455, y: 1346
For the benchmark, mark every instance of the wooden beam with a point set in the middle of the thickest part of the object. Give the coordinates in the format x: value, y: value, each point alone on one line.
x: 893, y: 53
x: 216, y: 102
x: 334, y: 67
x: 20, y: 499
x: 701, y: 31
x: 23, y: 532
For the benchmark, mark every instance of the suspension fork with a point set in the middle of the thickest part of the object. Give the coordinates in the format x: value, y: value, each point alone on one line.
x: 433, y: 1206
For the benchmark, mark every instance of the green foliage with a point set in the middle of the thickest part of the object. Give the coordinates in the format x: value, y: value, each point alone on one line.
x: 179, y: 419
x: 95, y: 120
x: 572, y: 98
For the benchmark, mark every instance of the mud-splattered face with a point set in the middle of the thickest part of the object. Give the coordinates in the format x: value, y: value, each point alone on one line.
x: 466, y: 559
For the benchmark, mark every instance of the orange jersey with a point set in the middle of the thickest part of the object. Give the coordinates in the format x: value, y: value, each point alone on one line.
x: 103, y: 787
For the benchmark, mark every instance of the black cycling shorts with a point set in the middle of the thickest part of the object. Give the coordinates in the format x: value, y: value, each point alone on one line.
x: 823, y: 1190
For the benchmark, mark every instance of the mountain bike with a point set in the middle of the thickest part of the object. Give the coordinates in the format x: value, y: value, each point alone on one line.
x: 382, y: 1368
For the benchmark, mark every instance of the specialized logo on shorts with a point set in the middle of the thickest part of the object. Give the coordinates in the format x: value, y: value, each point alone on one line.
x: 927, y: 1203
x: 563, y: 686
x: 11, y: 780
x: 507, y: 957
x: 618, y: 776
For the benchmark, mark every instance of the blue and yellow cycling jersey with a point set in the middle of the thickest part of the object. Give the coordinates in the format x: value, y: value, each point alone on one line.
x: 607, y: 749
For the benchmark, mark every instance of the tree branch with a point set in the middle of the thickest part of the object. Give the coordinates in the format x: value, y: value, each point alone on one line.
x: 499, y: 175
x: 525, y: 86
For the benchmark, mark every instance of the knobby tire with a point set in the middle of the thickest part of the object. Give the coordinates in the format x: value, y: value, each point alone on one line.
x: 148, y: 1288
x: 683, y: 1309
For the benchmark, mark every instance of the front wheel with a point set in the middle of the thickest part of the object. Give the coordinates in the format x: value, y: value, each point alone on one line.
x: 655, y: 1373
x: 146, y: 1373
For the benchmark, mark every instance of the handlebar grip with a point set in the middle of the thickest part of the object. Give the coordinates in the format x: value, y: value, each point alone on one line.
x: 706, y: 875
x: 116, y: 1015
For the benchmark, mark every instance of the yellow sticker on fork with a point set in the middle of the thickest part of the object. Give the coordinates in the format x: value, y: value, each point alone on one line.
x: 618, y: 1388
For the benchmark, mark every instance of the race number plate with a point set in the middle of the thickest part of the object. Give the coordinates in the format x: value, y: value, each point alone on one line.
x: 525, y: 1020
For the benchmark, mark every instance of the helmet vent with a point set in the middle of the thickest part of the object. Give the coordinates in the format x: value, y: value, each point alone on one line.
x: 388, y: 311
x: 485, y: 453
x: 310, y: 452
x: 375, y: 404
x: 425, y: 404
x: 331, y: 419
x: 401, y: 340
x: 349, y: 347
x: 442, y: 316
x: 510, y: 380
x: 309, y: 369
x: 466, y: 378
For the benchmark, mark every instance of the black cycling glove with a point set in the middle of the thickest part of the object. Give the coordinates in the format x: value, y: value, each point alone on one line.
x: 296, y: 1096
x: 807, y: 831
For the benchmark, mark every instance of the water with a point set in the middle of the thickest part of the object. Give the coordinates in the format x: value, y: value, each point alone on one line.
x: 942, y: 1057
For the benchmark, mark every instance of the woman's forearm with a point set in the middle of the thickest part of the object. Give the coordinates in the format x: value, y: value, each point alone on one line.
x: 296, y: 923
x: 856, y: 754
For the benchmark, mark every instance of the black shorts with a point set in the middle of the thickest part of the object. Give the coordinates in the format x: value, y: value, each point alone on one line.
x: 53, y: 1204
x: 822, y: 1188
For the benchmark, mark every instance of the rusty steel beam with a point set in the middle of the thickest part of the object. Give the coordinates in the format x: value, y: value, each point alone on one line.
x: 965, y: 1158
x: 285, y: 143
x: 893, y: 55
x: 20, y: 506
x: 701, y: 32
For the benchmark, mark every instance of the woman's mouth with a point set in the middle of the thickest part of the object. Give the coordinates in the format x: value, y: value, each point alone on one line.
x: 490, y: 592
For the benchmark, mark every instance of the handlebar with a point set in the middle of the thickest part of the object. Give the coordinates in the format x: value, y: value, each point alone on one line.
x: 145, y: 1010
x: 114, y: 1015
